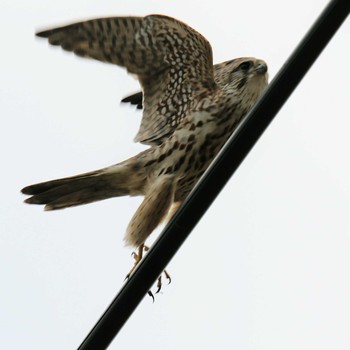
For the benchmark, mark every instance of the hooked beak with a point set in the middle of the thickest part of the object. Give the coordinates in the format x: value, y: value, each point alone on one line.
x: 261, y: 68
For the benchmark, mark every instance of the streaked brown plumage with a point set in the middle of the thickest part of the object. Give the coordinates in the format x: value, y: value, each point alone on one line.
x: 188, y: 114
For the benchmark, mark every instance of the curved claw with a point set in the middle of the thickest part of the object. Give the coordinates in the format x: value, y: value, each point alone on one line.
x: 159, y: 284
x: 151, y: 295
x: 167, y: 276
x: 138, y: 257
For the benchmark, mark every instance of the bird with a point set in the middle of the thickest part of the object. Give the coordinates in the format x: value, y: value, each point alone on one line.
x: 190, y: 109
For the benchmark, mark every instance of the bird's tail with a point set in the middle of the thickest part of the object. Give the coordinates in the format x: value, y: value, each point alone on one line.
x: 118, y: 180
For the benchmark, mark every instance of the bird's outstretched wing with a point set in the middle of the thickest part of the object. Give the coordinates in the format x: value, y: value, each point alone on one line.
x: 171, y: 60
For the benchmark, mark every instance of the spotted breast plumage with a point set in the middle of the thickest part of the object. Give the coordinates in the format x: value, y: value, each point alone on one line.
x: 190, y: 108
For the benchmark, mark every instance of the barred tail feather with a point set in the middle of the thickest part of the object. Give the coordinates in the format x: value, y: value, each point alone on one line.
x: 113, y: 181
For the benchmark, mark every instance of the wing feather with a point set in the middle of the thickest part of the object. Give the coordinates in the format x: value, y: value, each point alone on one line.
x: 171, y: 60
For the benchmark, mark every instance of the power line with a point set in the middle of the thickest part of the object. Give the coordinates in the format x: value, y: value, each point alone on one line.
x: 219, y: 172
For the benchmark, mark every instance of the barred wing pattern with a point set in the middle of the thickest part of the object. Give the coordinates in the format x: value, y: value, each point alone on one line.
x: 221, y: 77
x: 172, y: 61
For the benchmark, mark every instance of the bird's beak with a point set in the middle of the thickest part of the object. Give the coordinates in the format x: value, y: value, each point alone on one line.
x: 261, y: 68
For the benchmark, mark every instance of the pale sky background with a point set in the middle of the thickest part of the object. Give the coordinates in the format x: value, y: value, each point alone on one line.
x: 266, y: 268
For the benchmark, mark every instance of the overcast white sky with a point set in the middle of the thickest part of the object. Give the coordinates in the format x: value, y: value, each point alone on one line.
x: 266, y: 268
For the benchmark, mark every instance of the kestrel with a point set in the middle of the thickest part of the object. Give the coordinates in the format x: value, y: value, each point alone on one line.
x: 190, y: 108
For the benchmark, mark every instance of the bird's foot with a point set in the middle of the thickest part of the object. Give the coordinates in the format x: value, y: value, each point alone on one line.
x: 160, y: 284
x: 138, y: 257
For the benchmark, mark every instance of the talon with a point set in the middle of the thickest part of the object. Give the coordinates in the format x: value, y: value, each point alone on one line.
x: 159, y: 284
x: 137, y: 257
x: 167, y: 276
x: 151, y: 295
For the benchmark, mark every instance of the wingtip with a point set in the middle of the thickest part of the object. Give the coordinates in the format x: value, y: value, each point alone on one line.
x: 26, y: 190
x: 49, y: 207
x: 127, y: 99
x: 28, y: 200
x: 134, y: 99
x: 43, y: 34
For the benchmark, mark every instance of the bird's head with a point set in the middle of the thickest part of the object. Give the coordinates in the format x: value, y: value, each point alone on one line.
x: 242, y: 76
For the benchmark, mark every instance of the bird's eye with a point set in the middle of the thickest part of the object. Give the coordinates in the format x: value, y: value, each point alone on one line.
x: 245, y: 65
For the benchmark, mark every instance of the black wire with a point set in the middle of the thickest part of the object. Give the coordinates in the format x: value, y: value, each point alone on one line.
x: 220, y: 171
